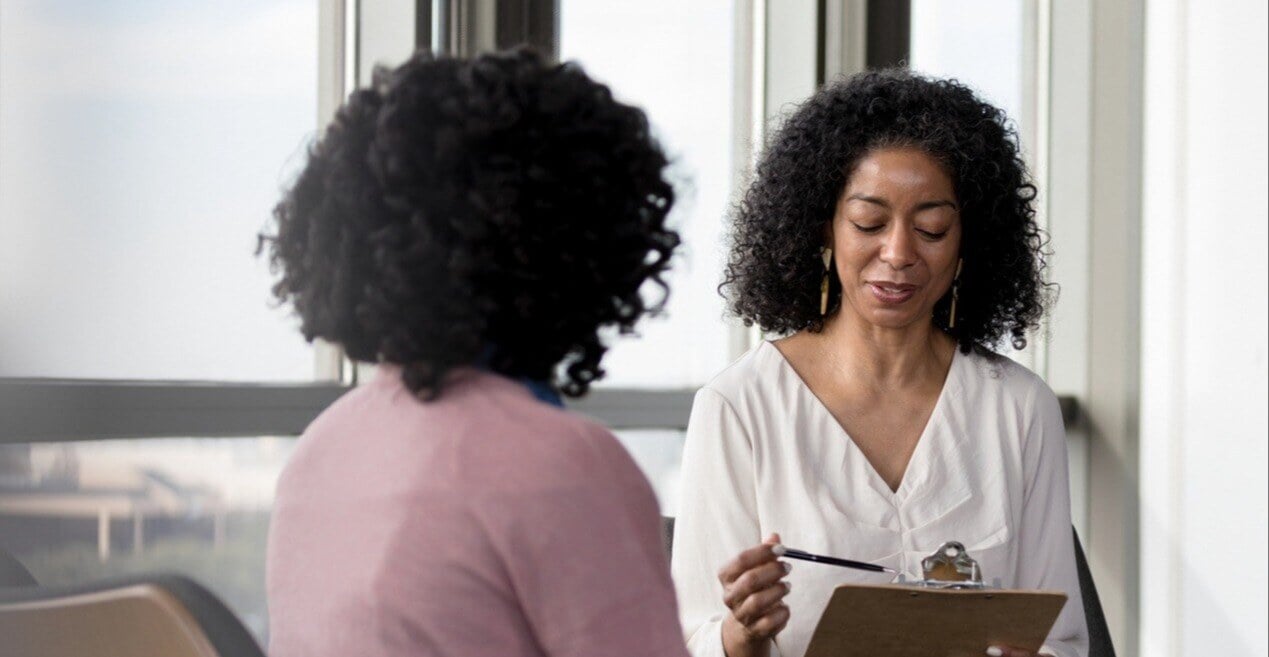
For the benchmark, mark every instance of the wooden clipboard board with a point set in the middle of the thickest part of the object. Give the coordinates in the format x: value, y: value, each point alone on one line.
x: 908, y: 621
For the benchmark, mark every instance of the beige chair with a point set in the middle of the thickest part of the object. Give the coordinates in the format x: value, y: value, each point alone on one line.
x: 154, y: 616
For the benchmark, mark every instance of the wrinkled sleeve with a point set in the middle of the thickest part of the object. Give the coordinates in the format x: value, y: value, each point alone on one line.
x: 717, y: 517
x: 1046, y: 544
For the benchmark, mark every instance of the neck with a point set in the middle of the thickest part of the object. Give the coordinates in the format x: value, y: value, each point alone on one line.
x: 885, y: 358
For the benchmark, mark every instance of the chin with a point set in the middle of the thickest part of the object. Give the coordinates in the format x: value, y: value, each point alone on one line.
x: 890, y: 318
x: 883, y: 316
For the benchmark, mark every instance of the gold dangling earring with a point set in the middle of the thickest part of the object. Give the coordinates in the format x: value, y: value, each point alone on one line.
x: 956, y: 293
x: 826, y: 253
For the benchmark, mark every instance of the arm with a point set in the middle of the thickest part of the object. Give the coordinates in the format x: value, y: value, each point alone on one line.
x: 717, y: 517
x: 1046, y: 551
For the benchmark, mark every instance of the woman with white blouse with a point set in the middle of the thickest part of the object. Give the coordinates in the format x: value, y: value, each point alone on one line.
x: 890, y: 236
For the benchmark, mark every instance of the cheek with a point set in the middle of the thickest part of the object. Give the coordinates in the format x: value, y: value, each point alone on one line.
x: 942, y: 264
x: 942, y: 256
x: 851, y: 245
x: 941, y: 260
x: 851, y: 257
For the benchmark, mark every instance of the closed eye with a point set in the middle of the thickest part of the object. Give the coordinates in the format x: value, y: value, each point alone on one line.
x: 869, y: 230
x: 932, y: 236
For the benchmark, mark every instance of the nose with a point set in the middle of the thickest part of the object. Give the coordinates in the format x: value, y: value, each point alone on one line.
x: 898, y: 250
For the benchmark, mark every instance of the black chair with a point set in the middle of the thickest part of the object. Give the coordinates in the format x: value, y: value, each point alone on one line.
x: 1099, y: 644
x: 13, y: 573
x: 147, y: 616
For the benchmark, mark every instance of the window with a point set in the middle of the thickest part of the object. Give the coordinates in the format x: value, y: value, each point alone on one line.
x: 142, y: 147
x: 75, y: 512
x: 673, y: 59
x: 995, y: 48
x: 980, y: 42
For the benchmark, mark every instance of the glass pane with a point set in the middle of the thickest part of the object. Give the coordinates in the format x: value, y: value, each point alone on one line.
x: 142, y: 146
x: 79, y: 512
x: 988, y: 45
x: 659, y: 453
x: 631, y: 44
x: 979, y: 42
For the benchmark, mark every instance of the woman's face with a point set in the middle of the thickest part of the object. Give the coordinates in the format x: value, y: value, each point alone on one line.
x: 896, y: 237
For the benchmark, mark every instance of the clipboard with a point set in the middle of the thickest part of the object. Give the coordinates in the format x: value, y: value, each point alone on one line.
x: 897, y: 620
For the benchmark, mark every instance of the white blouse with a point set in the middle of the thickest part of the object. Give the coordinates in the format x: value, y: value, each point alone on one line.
x: 764, y: 455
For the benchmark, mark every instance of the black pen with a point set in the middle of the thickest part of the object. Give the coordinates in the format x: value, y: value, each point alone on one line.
x: 782, y: 551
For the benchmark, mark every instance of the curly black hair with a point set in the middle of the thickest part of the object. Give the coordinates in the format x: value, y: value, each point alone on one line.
x: 774, y: 268
x: 497, y: 211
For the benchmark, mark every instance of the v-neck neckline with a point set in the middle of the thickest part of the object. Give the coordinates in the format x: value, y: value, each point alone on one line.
x: 951, y: 384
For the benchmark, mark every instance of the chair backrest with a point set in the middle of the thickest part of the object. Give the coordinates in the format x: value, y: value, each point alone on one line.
x: 1099, y: 643
x: 13, y: 573
x: 667, y: 535
x: 151, y: 616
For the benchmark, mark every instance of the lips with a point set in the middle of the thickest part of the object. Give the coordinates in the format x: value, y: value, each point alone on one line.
x: 890, y: 293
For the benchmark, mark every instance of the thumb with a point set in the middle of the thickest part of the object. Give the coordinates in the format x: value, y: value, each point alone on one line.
x: 772, y: 539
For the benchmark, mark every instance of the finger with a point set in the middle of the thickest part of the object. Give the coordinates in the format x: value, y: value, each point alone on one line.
x: 757, y: 579
x: 745, y: 561
x: 753, y: 581
x: 770, y: 624
x: 761, y: 603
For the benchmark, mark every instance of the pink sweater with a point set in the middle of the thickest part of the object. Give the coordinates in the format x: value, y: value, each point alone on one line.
x: 483, y: 523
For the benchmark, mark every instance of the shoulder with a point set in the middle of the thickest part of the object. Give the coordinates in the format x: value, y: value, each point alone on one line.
x: 522, y: 445
x: 753, y: 379
x: 550, y: 469
x: 484, y: 432
x: 579, y: 451
x: 523, y: 467
x: 1010, y: 387
x: 742, y: 374
x: 747, y: 401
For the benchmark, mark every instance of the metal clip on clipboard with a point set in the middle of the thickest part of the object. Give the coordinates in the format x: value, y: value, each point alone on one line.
x: 949, y: 567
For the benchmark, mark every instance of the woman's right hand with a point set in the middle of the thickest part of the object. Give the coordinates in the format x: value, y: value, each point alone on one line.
x: 753, y: 591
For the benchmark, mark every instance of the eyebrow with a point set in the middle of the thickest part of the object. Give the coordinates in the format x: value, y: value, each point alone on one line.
x: 881, y: 202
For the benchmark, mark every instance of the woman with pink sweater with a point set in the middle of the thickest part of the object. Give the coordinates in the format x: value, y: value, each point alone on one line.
x: 470, y: 226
